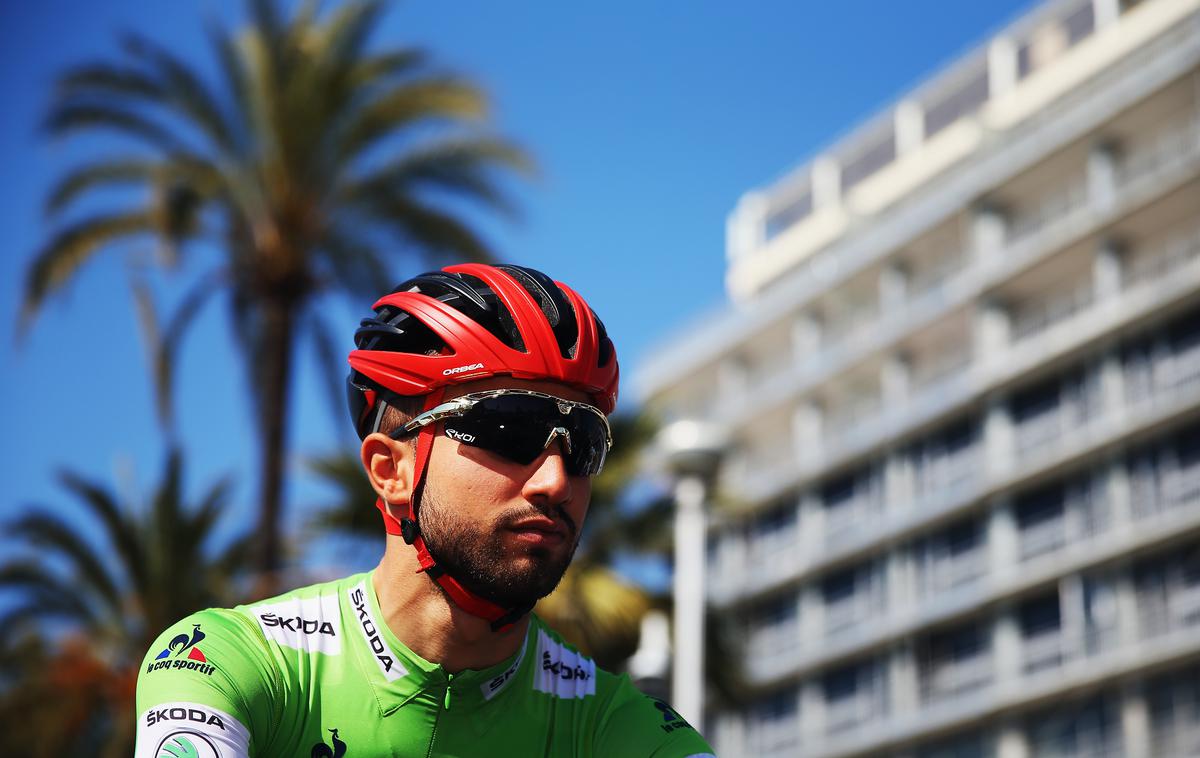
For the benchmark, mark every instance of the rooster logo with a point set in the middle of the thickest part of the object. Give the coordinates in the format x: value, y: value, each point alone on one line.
x: 321, y: 750
x: 182, y: 643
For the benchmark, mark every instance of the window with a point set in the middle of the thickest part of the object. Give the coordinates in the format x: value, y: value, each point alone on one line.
x: 1039, y: 615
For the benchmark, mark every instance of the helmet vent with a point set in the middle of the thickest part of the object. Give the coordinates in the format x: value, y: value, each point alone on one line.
x: 554, y: 304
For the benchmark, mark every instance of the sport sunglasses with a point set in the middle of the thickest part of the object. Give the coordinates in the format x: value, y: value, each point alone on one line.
x: 519, y: 424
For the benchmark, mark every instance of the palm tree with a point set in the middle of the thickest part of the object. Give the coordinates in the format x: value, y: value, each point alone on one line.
x: 107, y: 598
x: 309, y: 161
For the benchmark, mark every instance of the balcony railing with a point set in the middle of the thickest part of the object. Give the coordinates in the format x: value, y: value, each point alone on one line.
x: 1165, y: 489
x: 937, y: 473
x: 1083, y: 745
x: 1146, y: 380
x: 847, y: 517
x: 1178, y: 737
x: 1176, y: 608
x: 846, y: 713
x: 1042, y: 538
x: 866, y: 603
x: 1038, y: 317
x: 928, y: 281
x: 1173, y: 254
x: 774, y: 736
x: 1036, y: 434
x: 1151, y: 155
x: 1050, y: 208
x: 1044, y: 651
x: 942, y: 572
x: 948, y: 679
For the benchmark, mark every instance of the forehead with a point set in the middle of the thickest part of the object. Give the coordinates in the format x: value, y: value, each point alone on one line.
x: 508, y: 382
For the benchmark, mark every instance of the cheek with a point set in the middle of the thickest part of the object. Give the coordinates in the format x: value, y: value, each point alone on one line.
x: 581, y: 497
x: 464, y: 481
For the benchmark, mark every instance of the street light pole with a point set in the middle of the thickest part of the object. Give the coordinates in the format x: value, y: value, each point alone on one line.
x: 687, y: 675
x: 692, y: 452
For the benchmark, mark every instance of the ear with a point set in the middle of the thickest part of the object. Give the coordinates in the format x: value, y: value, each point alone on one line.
x: 389, y: 465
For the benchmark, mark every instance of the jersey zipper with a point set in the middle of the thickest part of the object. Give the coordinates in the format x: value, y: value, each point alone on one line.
x: 437, y: 719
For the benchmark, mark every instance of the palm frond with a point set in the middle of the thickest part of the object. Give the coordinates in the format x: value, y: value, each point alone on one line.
x: 403, y: 105
x: 163, y: 341
x: 71, y: 117
x: 45, y: 594
x: 353, y: 264
x: 241, y: 113
x: 351, y: 510
x: 426, y: 228
x: 183, y: 90
x: 50, y: 532
x: 269, y: 27
x: 101, y: 81
x: 68, y: 250
x: 122, y: 534
x: 382, y: 68
x: 344, y: 36
x: 463, y: 166
x: 330, y: 354
x: 101, y: 174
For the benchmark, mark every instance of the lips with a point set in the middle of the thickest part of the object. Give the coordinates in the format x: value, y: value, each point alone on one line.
x: 540, y: 525
x: 542, y: 531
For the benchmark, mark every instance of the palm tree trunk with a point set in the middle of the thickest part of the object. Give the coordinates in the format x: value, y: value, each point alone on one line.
x: 278, y: 342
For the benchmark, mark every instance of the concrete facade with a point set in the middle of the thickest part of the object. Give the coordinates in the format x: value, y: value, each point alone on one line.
x: 961, y: 364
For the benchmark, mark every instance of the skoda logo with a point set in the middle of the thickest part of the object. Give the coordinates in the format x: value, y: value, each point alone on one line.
x: 186, y: 744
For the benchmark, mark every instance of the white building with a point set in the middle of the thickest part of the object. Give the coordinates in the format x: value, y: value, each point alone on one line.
x: 962, y: 366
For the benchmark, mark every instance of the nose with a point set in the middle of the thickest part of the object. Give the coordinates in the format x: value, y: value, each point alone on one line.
x: 549, y: 482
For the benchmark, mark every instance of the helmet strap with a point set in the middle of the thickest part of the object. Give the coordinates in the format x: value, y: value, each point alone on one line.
x: 406, y: 526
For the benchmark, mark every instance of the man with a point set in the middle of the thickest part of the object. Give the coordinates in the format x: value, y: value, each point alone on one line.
x: 481, y: 396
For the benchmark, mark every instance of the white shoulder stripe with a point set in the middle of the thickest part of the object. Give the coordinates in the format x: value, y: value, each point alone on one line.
x: 311, y: 624
x: 190, y: 729
x: 561, y: 671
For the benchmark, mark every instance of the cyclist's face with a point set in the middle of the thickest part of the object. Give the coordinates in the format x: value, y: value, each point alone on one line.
x: 506, y: 530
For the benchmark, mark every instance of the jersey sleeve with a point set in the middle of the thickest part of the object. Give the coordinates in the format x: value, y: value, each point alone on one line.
x: 206, y: 688
x: 636, y: 725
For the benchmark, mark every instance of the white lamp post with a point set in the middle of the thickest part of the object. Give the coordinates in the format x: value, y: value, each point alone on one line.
x: 692, y: 451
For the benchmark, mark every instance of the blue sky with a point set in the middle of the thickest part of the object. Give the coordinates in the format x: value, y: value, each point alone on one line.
x: 648, y: 121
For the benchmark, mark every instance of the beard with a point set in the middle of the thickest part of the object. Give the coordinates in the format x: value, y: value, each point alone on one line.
x: 474, y: 553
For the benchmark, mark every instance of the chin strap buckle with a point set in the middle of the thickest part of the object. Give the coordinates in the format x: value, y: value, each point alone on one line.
x: 409, y: 530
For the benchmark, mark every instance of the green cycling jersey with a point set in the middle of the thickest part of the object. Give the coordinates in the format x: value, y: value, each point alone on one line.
x: 315, y: 674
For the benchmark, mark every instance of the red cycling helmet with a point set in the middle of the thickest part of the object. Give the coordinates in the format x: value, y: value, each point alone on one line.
x: 464, y: 323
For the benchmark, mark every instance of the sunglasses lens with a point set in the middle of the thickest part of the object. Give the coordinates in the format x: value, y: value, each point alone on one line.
x: 589, y: 443
x: 517, y: 427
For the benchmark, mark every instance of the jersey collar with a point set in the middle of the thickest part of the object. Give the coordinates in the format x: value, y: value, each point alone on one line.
x: 398, y: 676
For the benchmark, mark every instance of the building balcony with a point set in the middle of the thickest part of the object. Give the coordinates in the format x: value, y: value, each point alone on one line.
x: 812, y: 648
x: 957, y: 481
x: 952, y: 679
x: 949, y: 572
x: 777, y: 736
x: 842, y: 616
x: 1158, y: 173
x: 855, y: 711
x: 966, y: 689
x: 1178, y: 738
x: 1137, y: 299
x: 1175, y: 610
x: 1047, y: 650
x: 1052, y: 668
